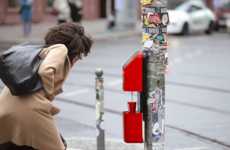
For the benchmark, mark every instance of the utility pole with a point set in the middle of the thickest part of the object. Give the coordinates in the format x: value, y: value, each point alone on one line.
x: 154, y: 19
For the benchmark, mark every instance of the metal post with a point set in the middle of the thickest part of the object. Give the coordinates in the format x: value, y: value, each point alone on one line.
x: 126, y: 14
x: 100, y: 109
x: 155, y: 20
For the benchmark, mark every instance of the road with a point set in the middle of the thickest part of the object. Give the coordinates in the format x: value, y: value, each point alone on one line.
x: 197, y: 92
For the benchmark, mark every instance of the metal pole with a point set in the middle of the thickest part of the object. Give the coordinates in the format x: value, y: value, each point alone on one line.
x: 100, y: 109
x: 155, y: 20
x: 148, y: 106
x: 126, y: 14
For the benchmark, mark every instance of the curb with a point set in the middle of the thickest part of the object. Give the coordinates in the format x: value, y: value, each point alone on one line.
x: 109, y: 35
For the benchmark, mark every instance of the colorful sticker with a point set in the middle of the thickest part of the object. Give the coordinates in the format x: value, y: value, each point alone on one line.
x: 145, y: 37
x: 153, y: 20
x: 154, y: 42
x: 165, y: 19
x: 146, y: 22
x: 156, y: 132
x: 157, y: 113
x: 155, y: 17
x: 154, y: 105
x: 160, y: 10
x: 147, y: 2
x: 151, y: 31
x: 159, y: 40
x: 148, y: 44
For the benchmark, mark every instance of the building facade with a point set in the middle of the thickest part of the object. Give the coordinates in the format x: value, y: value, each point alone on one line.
x: 9, y: 11
x: 92, y: 9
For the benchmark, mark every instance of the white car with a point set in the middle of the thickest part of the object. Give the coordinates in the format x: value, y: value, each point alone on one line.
x: 191, y: 16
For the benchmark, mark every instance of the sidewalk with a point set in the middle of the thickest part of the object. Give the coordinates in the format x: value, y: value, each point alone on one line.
x: 97, y: 29
x: 90, y: 144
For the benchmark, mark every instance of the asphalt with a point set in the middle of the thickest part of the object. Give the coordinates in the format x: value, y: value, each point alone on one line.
x: 197, y: 88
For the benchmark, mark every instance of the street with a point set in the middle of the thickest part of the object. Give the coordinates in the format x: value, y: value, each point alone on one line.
x: 197, y: 92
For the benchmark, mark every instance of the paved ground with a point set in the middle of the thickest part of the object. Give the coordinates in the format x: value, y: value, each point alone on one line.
x: 197, y: 91
x: 96, y: 28
x: 197, y: 94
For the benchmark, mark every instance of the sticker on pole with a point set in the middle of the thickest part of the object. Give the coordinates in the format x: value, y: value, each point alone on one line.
x: 147, y: 2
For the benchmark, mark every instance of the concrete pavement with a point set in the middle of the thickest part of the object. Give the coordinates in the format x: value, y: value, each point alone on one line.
x: 197, y: 90
x: 197, y: 95
x: 90, y: 144
x: 97, y: 29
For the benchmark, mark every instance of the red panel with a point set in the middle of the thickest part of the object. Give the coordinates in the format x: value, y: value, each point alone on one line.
x: 132, y: 123
x: 133, y: 73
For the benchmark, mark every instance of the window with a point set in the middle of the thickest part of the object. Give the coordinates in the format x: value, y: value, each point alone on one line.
x: 193, y: 8
x: 50, y: 3
x: 226, y: 5
x: 13, y: 3
x: 174, y: 4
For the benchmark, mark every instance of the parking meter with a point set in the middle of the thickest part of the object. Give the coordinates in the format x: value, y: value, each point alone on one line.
x: 132, y: 122
x: 132, y: 73
x: 133, y: 82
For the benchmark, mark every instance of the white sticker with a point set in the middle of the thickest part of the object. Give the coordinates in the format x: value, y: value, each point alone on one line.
x: 148, y: 44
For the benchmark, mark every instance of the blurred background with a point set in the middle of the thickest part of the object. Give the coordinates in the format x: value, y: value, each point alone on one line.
x: 106, y: 15
x: 197, y: 85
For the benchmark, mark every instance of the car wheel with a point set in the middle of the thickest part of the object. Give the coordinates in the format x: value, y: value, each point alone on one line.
x: 210, y: 28
x: 185, y: 29
x: 216, y: 26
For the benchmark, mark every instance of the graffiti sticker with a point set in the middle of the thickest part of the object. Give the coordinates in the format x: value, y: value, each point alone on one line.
x: 147, y: 2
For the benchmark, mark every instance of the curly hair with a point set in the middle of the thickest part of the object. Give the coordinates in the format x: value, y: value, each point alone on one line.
x: 73, y: 36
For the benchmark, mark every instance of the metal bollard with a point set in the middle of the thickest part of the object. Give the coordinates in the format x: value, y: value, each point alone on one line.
x: 100, y: 109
